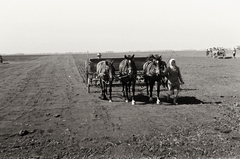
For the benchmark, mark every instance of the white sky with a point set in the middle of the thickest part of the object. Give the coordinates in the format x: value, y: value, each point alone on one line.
x: 44, y: 26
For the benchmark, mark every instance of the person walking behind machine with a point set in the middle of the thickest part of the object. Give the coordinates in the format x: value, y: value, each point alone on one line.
x: 234, y: 52
x: 99, y: 55
x: 174, y: 80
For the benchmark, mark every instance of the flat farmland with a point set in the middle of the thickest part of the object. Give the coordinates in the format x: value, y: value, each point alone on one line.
x: 46, y: 112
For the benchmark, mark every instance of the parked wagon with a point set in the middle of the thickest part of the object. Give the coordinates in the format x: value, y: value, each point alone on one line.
x: 91, y: 76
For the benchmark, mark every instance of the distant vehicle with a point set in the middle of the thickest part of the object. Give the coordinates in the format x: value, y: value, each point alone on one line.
x: 216, y: 52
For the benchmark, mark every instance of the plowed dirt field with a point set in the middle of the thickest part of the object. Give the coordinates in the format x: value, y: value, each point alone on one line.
x: 46, y: 112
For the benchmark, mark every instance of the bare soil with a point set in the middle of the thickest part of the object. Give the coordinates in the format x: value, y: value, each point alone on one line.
x: 46, y: 112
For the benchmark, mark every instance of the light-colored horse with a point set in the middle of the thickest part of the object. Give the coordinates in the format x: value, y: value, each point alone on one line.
x: 106, y: 73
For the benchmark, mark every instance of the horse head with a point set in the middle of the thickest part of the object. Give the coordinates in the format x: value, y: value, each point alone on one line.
x: 111, y: 69
x: 106, y: 70
x: 157, y: 61
x: 130, y: 64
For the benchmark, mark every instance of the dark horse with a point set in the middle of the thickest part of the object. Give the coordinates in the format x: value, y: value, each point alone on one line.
x: 106, y: 73
x: 1, y: 59
x: 153, y: 71
x: 128, y: 75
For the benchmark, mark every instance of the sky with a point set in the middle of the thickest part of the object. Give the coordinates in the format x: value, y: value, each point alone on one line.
x: 51, y: 26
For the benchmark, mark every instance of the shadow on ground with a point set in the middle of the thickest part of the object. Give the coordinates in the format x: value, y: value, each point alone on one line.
x: 227, y: 57
x: 189, y: 100
x: 193, y: 100
x: 181, y: 100
x: 143, y: 98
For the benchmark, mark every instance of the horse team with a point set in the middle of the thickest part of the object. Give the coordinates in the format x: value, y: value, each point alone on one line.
x: 153, y: 72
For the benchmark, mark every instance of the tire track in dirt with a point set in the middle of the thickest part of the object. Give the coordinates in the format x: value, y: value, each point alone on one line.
x: 23, y: 98
x: 40, y: 87
x: 80, y: 64
x: 16, y: 83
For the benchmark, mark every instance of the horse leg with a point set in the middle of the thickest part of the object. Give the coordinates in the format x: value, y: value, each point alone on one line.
x: 123, y: 93
x: 106, y: 86
x: 110, y: 91
x: 146, y: 81
x: 133, y: 92
x: 158, y: 91
x: 129, y: 88
x: 151, y: 83
x: 102, y: 88
x: 126, y: 92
